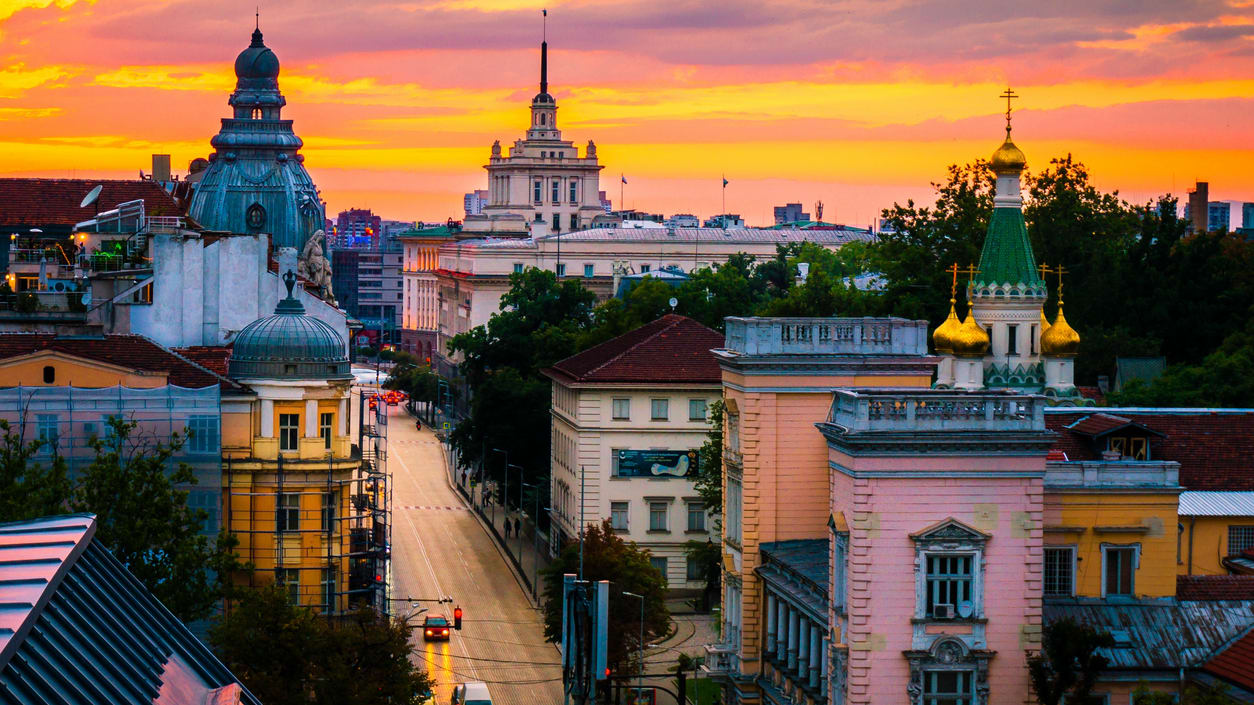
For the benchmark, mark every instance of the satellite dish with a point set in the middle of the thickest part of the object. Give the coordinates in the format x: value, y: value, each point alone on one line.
x: 965, y: 609
x: 91, y: 196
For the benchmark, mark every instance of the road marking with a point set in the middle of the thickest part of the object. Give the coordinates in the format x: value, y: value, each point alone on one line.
x: 419, y: 507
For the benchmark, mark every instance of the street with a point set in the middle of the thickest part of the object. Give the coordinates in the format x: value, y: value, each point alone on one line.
x: 439, y: 549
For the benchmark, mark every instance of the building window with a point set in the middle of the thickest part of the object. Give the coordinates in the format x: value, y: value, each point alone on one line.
x: 695, y: 570
x: 255, y: 217
x: 618, y: 516
x: 948, y: 688
x: 589, y: 270
x: 537, y: 191
x: 556, y: 191
x: 328, y: 512
x: 733, y: 526
x: 696, y: 410
x: 326, y: 422
x: 622, y: 409
x: 1059, y: 571
x: 1240, y: 539
x: 949, y: 580
x: 1118, y: 570
x: 328, y: 589
x: 644, y: 268
x: 518, y: 268
x: 257, y: 113
x: 1012, y: 342
x: 202, y: 431
x: 659, y: 564
x: 46, y: 425
x: 659, y: 409
x: 696, y: 516
x: 561, y: 270
x: 574, y: 193
x: 574, y: 221
x: 1032, y: 339
x: 658, y: 516
x: 289, y: 431
x: 289, y: 580
x: 288, y: 518
x: 50, y: 374
x: 614, y: 455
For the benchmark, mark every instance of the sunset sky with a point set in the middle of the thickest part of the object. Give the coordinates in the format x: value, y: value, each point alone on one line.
x: 856, y: 103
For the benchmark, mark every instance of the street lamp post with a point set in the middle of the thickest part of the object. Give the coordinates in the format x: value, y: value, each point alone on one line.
x: 640, y: 675
x: 506, y: 454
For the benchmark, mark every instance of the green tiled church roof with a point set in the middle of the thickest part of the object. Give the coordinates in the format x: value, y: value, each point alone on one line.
x: 1007, y: 256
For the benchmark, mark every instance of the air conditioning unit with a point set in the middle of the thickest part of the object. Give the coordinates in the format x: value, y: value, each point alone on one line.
x: 943, y: 611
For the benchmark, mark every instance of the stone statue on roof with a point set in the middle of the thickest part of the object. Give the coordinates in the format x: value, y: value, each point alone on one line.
x: 314, y: 266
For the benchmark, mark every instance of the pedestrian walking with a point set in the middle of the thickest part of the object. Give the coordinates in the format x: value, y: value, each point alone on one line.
x: 517, y: 527
x: 507, y: 527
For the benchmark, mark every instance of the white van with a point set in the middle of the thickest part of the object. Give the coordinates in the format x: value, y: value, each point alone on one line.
x: 471, y: 694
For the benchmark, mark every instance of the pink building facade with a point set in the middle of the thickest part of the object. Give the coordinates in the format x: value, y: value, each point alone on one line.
x: 937, y: 510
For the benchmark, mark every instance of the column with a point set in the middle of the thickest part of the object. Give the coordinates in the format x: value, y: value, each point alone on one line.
x: 816, y: 651
x: 794, y: 619
x: 822, y: 664
x: 344, y: 416
x: 803, y: 649
x: 770, y: 622
x: 311, y: 418
x: 781, y: 630
x: 267, y: 418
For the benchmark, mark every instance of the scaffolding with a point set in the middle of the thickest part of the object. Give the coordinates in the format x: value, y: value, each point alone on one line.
x: 321, y: 527
x: 67, y: 418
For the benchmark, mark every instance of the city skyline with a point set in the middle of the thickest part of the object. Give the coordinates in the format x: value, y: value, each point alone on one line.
x: 858, y: 106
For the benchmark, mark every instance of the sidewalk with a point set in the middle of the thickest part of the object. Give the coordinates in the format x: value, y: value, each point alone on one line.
x: 523, y: 552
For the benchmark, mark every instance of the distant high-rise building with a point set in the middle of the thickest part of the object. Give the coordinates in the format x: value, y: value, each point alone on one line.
x: 1247, y: 216
x: 474, y: 202
x: 1197, y: 203
x: 605, y: 202
x: 1218, y: 216
x: 356, y: 227
x: 790, y: 213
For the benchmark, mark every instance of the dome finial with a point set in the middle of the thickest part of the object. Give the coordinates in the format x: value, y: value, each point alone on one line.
x: 1008, y: 159
x: 289, y: 280
x: 1009, y: 95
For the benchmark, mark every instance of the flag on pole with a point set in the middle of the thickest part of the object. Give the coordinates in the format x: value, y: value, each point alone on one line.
x: 624, y: 178
x: 724, y: 182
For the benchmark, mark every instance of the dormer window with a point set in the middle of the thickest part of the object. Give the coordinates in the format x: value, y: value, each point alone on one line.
x: 1130, y: 447
x: 257, y: 113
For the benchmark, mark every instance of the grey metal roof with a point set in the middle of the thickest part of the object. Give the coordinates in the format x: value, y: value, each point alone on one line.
x: 1163, y: 635
x: 77, y: 627
x: 798, y: 570
x: 1215, y: 503
x: 289, y: 345
x: 714, y: 235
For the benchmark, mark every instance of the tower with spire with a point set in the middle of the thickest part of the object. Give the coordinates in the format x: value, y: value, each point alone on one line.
x: 256, y: 181
x: 543, y: 185
x: 1005, y: 341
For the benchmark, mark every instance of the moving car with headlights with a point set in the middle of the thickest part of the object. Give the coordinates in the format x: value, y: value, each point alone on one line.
x: 435, y: 627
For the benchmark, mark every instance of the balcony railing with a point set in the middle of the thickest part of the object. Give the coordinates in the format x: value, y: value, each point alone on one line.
x: 826, y: 336
x: 940, y: 410
x: 721, y: 660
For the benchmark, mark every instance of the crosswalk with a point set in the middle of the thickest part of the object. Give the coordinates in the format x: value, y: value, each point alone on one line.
x: 421, y: 508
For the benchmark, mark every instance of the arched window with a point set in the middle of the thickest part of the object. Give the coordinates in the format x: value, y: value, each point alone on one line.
x: 50, y: 374
x: 256, y: 113
x: 542, y: 116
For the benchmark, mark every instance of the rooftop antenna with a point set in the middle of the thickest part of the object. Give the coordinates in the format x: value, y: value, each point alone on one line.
x: 258, y: 26
x: 818, y: 211
x: 544, y: 52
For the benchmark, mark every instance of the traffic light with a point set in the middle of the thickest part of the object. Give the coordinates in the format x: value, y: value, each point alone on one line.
x: 457, y: 618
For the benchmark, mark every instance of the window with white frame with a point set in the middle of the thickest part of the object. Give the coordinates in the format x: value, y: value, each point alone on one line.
x: 621, y: 410
x: 556, y: 190
x: 840, y: 553
x: 1059, y: 571
x: 732, y: 519
x: 328, y: 512
x: 696, y: 410
x: 46, y: 426
x: 326, y: 422
x: 949, y: 687
x: 518, y: 267
x: 659, y: 564
x: 328, y: 589
x: 618, y: 515
x: 589, y: 270
x: 574, y: 190
x: 644, y: 268
x: 695, y: 571
x: 950, y: 579
x: 1119, y: 570
x: 289, y: 580
x: 949, y: 557
x: 696, y: 516
x: 561, y: 269
x: 289, y: 431
x: 203, y: 433
x: 288, y: 518
x: 659, y: 409
x: 614, y: 457
x: 658, y: 515
x: 1240, y: 539
x: 537, y: 189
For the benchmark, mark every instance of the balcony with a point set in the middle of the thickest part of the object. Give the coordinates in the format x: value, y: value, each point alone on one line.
x: 941, y: 410
x: 721, y: 660
x: 826, y: 336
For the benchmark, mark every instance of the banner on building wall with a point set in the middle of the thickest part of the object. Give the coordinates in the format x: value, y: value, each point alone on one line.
x: 657, y: 463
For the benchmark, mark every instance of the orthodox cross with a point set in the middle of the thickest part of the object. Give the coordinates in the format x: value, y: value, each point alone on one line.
x: 1059, y: 270
x: 971, y: 271
x: 1009, y: 95
x: 953, y: 288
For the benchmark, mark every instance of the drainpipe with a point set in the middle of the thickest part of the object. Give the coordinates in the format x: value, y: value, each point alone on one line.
x: 1192, y: 521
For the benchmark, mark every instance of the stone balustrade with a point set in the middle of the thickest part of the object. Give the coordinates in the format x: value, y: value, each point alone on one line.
x: 936, y: 410
x: 825, y: 336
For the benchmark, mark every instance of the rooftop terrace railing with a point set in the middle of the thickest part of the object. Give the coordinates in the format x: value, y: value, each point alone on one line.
x: 826, y: 336
x: 940, y: 410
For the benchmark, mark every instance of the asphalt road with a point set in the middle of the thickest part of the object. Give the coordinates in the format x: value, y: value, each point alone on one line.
x: 440, y: 549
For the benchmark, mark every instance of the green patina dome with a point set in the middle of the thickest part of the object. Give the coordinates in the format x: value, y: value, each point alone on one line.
x: 289, y: 345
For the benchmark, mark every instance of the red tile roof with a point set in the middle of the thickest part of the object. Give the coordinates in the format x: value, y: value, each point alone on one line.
x: 1097, y: 424
x: 211, y: 357
x: 38, y: 202
x: 1235, y: 664
x: 1215, y: 587
x: 130, y: 351
x: 1215, y: 447
x: 671, y: 349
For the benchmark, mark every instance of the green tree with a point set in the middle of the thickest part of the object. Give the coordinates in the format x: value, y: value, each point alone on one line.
x: 29, y: 488
x: 1225, y: 378
x: 133, y: 487
x: 1194, y: 694
x: 288, y: 655
x: 709, y: 556
x: 1068, y: 664
x: 607, y: 557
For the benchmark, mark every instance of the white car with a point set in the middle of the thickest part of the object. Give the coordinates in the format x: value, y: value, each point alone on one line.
x: 472, y: 693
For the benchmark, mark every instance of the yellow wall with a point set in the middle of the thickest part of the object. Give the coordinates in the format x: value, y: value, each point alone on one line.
x: 1154, y: 513
x: 1205, y: 540
x: 28, y: 370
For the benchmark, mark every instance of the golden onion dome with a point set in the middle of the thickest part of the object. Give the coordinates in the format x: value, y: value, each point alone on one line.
x: 1008, y: 158
x: 943, y: 336
x: 970, y: 340
x: 1061, y: 339
x: 1044, y: 322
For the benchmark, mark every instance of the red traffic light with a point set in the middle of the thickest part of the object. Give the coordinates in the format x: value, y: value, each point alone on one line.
x: 457, y: 618
x: 607, y: 671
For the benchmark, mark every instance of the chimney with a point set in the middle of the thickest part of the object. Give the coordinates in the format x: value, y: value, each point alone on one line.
x: 161, y: 168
